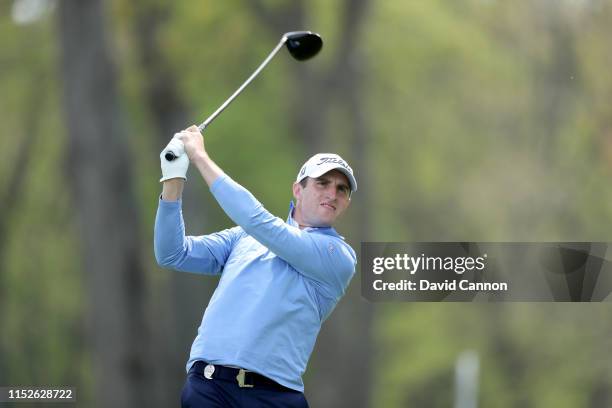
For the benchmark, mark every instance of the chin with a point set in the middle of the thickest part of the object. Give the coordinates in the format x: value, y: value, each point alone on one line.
x: 326, y: 222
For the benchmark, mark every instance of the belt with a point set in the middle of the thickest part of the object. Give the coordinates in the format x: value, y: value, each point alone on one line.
x: 244, y: 378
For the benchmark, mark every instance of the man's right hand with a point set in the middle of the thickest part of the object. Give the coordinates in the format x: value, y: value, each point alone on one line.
x: 176, y: 168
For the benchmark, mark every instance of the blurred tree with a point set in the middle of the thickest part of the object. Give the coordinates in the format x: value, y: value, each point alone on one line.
x: 184, y: 295
x: 13, y: 193
x: 492, y: 121
x: 100, y: 175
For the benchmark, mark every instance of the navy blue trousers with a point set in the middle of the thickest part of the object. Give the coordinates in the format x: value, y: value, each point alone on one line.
x: 200, y: 392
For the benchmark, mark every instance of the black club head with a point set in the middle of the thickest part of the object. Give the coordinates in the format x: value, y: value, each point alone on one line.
x: 303, y: 44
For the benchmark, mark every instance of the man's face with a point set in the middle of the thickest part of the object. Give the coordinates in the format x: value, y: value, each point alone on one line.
x: 322, y: 200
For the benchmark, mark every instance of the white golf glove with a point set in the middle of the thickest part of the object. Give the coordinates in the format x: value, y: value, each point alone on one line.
x: 177, y: 167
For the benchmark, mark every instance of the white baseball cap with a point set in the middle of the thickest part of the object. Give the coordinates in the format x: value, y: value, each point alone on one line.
x: 321, y: 163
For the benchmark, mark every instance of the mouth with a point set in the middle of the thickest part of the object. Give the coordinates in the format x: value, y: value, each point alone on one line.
x: 328, y: 206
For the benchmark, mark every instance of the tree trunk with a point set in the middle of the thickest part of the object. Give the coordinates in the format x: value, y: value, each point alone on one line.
x: 185, y: 295
x: 99, y: 174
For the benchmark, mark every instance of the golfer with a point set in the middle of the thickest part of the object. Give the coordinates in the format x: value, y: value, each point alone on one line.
x: 279, y: 280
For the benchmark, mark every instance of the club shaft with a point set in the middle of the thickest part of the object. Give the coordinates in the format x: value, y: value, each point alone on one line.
x: 229, y: 100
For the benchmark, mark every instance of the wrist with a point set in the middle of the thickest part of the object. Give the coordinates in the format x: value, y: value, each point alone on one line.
x: 200, y: 158
x: 207, y: 168
x: 172, y: 189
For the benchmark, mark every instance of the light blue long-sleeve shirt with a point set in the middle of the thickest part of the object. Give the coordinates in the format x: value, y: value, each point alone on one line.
x: 278, y: 283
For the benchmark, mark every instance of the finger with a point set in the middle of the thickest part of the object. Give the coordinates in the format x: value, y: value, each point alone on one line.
x: 176, y: 146
x: 176, y: 142
x: 193, y: 128
x: 180, y: 135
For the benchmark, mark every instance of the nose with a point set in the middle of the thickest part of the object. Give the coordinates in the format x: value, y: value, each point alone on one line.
x: 330, y: 191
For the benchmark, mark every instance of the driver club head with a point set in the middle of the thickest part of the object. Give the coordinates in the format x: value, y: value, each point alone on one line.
x: 303, y: 44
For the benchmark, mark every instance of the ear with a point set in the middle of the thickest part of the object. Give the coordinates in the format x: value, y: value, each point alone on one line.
x: 297, y: 191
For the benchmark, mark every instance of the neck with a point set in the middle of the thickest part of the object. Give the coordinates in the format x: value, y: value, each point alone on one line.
x: 297, y: 217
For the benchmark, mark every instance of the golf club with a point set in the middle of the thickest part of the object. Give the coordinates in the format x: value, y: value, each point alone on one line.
x: 302, y: 45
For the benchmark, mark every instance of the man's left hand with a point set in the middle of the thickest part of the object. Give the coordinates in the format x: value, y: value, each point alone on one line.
x: 193, y: 141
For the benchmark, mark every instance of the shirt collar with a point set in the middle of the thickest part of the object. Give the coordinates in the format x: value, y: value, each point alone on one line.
x: 322, y: 230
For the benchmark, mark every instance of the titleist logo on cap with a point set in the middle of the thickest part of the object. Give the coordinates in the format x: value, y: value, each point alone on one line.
x: 334, y: 160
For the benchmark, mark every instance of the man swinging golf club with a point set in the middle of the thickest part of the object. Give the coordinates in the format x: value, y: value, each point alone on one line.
x: 279, y: 280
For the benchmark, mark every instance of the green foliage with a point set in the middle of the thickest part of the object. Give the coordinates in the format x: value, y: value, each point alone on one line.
x: 489, y: 121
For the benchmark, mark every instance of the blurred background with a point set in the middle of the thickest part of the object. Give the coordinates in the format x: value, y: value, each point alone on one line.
x: 472, y: 120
